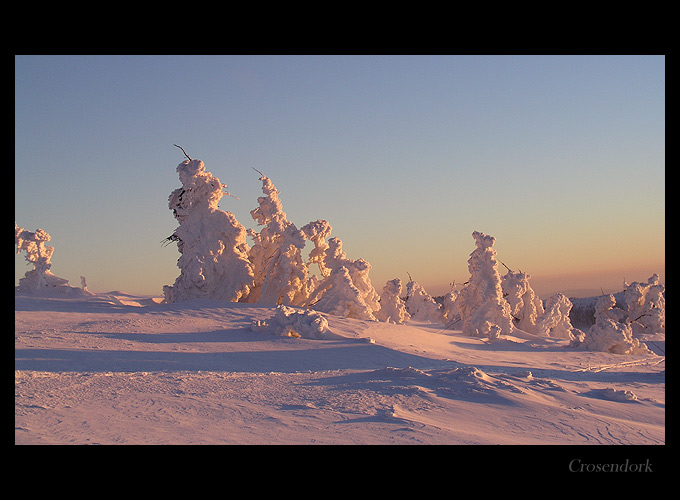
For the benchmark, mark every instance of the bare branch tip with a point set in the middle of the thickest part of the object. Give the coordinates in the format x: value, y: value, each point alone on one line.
x: 185, y: 153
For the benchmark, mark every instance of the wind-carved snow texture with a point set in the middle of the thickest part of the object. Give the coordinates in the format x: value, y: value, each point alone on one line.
x: 40, y: 280
x: 279, y: 271
x: 482, y: 307
x: 421, y: 306
x: 214, y: 262
x: 392, y: 308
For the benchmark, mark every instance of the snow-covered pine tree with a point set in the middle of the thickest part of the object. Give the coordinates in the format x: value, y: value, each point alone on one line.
x: 280, y: 274
x: 214, y: 254
x: 482, y: 307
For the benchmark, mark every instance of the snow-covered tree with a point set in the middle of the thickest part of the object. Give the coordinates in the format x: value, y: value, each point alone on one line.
x: 608, y: 333
x: 317, y: 232
x: 450, y: 307
x: 351, y: 277
x: 40, y: 280
x: 482, y: 307
x: 605, y: 308
x: 214, y: 254
x: 421, y: 306
x: 340, y: 297
x: 280, y: 275
x: 555, y: 322
x: 392, y: 307
x: 646, y: 305
x: 525, y: 306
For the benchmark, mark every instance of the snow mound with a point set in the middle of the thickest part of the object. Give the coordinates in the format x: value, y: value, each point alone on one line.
x: 292, y: 322
x: 611, y: 394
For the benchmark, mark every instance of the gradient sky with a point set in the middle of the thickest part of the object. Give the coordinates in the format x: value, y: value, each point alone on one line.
x: 561, y: 158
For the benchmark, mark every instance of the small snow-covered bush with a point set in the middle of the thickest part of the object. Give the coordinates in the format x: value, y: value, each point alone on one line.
x: 293, y: 322
x: 611, y: 336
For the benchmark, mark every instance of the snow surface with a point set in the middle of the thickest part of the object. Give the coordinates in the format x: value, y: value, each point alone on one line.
x: 114, y: 368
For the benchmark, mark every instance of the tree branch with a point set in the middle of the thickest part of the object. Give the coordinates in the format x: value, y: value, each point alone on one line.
x: 185, y: 153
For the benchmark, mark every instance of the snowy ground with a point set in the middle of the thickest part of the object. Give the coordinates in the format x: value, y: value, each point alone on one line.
x: 119, y: 369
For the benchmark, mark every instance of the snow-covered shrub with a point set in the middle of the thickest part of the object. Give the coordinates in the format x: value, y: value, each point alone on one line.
x: 421, y: 306
x: 40, y: 280
x: 293, y: 322
x: 646, y: 305
x: 525, y: 305
x: 280, y: 275
x: 480, y: 302
x: 555, y: 320
x: 214, y: 262
x: 392, y: 308
x: 612, y: 336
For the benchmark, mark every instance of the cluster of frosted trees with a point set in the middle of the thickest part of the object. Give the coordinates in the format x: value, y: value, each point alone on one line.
x: 216, y: 262
x: 617, y: 330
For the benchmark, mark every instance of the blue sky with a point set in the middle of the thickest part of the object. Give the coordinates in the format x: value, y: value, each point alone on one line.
x: 561, y: 158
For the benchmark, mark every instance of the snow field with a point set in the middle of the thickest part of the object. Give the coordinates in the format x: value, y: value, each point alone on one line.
x: 96, y: 371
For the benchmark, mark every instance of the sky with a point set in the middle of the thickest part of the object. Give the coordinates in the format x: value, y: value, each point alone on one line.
x: 560, y: 158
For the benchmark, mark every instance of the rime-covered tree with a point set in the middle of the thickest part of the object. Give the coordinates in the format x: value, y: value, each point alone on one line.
x: 482, y: 307
x: 608, y: 333
x: 421, y: 306
x: 40, y: 280
x: 646, y: 303
x: 354, y: 277
x: 555, y: 322
x: 525, y: 306
x: 392, y: 307
x: 280, y: 273
x: 340, y: 297
x: 214, y: 254
x: 317, y: 232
